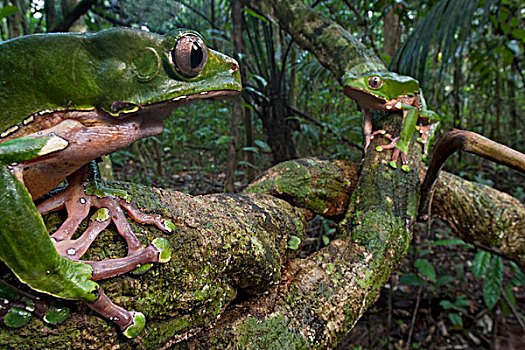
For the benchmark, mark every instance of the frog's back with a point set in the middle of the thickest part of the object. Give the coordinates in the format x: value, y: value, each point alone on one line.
x: 47, y: 72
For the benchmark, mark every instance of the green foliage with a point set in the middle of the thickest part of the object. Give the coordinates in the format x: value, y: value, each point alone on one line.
x: 493, y: 282
x: 426, y: 269
x: 498, y: 290
x: 8, y: 11
x: 480, y: 263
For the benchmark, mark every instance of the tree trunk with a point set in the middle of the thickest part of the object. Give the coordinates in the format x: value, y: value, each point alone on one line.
x: 231, y: 163
x: 392, y: 30
x: 239, y: 45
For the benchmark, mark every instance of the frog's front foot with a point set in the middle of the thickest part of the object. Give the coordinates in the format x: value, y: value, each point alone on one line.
x: 397, y: 153
x: 110, y: 209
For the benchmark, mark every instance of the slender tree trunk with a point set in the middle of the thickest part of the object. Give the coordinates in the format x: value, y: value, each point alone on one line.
x: 276, y: 128
x: 51, y: 14
x: 278, y: 133
x: 23, y: 12
x: 231, y: 164
x: 392, y: 30
x: 13, y: 23
x: 238, y: 26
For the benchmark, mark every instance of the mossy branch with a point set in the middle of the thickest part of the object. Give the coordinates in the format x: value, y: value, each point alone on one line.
x: 468, y: 141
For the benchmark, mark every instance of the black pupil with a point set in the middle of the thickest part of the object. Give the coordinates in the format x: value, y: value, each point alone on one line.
x: 196, y: 55
x: 375, y: 82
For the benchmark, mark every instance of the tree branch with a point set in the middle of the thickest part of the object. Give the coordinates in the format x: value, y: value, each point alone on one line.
x: 80, y: 8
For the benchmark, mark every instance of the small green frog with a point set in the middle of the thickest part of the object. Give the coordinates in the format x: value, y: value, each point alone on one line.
x: 388, y: 91
x: 65, y: 100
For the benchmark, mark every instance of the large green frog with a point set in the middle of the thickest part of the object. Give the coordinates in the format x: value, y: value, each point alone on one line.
x: 388, y: 91
x: 65, y: 100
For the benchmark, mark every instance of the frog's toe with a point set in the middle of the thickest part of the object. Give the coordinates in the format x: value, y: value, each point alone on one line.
x: 56, y: 314
x: 163, y: 246
x: 136, y: 326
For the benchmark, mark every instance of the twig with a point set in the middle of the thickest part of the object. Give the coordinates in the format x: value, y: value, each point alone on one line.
x: 414, y: 318
x: 514, y: 311
x: 319, y: 124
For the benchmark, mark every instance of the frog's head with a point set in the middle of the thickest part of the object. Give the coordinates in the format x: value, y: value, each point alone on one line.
x: 374, y: 90
x: 166, y: 71
x: 100, y: 92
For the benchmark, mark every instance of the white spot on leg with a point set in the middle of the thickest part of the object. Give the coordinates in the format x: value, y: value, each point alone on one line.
x: 71, y: 251
x: 82, y: 200
x: 54, y: 144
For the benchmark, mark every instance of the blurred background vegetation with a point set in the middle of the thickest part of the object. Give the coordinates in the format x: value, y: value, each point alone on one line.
x: 468, y: 56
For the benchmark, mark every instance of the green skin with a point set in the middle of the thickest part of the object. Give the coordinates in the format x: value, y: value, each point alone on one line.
x: 388, y: 91
x: 65, y: 100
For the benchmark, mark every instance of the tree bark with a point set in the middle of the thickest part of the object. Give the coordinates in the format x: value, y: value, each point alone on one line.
x: 335, y: 48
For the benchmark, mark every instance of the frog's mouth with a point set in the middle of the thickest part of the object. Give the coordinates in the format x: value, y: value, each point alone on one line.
x: 174, y: 103
x: 365, y: 99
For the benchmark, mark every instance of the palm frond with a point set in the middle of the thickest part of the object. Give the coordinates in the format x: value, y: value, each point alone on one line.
x: 445, y: 28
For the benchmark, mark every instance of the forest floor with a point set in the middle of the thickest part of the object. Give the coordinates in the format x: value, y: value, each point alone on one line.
x: 421, y: 313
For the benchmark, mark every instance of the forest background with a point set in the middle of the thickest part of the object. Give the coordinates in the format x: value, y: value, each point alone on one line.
x: 468, y: 57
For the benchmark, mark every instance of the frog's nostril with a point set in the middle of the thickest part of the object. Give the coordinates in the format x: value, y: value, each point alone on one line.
x: 234, y: 67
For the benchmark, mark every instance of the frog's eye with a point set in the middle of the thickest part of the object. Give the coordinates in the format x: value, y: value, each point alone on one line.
x: 189, y: 55
x: 375, y: 82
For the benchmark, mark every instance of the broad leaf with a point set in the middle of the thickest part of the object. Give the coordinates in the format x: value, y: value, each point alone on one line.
x: 493, y: 282
x: 426, y: 269
x: 480, y: 263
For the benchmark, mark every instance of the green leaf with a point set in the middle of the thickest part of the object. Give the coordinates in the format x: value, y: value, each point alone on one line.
x: 408, y: 128
x: 456, y: 320
x: 493, y: 282
x: 262, y: 145
x: 480, y: 263
x: 223, y: 139
x: 451, y: 241
x: 412, y: 279
x: 254, y: 14
x: 519, y: 277
x: 426, y: 269
x: 457, y: 305
x: 510, y: 297
x: 8, y: 11
x: 445, y: 280
x: 250, y: 149
x: 56, y: 313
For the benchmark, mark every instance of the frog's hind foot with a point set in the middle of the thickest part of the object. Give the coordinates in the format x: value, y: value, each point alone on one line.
x: 131, y: 323
x: 369, y: 136
x: 157, y: 252
x: 426, y: 135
